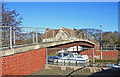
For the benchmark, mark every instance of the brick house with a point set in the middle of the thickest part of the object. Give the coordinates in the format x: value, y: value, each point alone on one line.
x: 59, y: 34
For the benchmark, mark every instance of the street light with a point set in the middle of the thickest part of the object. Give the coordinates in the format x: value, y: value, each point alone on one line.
x: 101, y: 36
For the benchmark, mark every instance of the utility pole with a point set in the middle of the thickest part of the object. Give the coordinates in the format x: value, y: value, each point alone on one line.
x: 101, y: 36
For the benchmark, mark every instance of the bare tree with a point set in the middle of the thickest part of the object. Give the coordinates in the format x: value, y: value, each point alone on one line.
x: 0, y: 24
x: 110, y: 38
x: 9, y: 18
x: 95, y: 33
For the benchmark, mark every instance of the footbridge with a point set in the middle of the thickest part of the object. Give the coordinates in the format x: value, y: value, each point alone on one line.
x: 58, y: 44
x: 23, y: 50
x: 13, y: 42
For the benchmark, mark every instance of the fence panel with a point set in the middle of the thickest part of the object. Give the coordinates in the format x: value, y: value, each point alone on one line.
x: 5, y: 36
x: 16, y: 36
x: 70, y: 56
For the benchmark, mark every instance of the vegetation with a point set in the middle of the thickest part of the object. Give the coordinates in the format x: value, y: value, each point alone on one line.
x: 53, y: 54
x: 9, y: 18
x: 108, y: 38
x: 114, y: 61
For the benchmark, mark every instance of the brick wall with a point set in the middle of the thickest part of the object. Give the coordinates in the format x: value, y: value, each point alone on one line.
x: 96, y: 47
x: 106, y: 55
x: 24, y: 63
x: 0, y: 67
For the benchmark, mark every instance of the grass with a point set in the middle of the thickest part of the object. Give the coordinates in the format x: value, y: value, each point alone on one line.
x: 98, y: 60
x: 104, y: 62
x: 53, y: 54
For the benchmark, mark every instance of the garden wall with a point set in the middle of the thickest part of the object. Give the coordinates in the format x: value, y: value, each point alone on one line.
x: 23, y: 63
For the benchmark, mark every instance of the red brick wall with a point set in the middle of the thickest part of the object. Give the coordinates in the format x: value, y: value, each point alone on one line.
x: 24, y: 63
x: 106, y: 55
x: 88, y: 52
x: 0, y: 67
x: 96, y: 47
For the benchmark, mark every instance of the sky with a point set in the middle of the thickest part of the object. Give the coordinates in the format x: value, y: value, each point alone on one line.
x: 61, y: 0
x: 68, y: 14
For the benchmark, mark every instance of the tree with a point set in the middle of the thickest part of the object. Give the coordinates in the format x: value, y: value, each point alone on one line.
x: 110, y: 38
x: 0, y: 24
x: 95, y: 33
x: 10, y: 18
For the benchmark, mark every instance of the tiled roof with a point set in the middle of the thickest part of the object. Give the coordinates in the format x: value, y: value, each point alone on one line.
x: 49, y: 34
x: 70, y: 32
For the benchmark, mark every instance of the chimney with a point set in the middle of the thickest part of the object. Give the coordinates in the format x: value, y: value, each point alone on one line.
x: 47, y: 29
x: 74, y: 29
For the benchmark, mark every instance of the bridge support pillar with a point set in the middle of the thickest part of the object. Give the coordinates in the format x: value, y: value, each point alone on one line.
x: 77, y: 48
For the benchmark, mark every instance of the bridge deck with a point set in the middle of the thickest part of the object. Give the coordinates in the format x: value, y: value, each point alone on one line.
x: 28, y: 47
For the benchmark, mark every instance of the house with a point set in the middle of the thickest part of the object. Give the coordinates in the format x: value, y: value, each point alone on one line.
x: 74, y: 48
x: 59, y: 34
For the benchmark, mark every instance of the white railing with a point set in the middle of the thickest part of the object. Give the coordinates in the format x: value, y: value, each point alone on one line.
x: 15, y: 36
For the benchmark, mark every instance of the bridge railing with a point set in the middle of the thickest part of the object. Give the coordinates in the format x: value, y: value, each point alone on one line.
x: 16, y: 36
x: 87, y: 37
x: 11, y: 36
x: 71, y: 35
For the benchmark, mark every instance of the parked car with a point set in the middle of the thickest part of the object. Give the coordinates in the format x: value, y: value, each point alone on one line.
x: 114, y: 66
x: 52, y: 58
x: 78, y: 55
x: 69, y: 58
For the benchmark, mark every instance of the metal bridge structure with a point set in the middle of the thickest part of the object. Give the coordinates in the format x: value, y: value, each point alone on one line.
x: 20, y: 39
x: 23, y: 50
x: 24, y: 36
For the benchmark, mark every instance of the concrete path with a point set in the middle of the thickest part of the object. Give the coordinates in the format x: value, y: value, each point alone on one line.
x: 59, y: 73
x: 113, y: 72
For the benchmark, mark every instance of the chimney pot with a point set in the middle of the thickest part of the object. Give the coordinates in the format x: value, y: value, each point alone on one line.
x: 47, y: 29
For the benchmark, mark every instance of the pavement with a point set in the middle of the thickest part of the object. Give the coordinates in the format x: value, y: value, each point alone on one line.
x: 59, y: 73
x: 112, y: 72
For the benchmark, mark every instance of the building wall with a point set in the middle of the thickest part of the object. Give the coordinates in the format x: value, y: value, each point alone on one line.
x: 48, y: 40
x: 61, y: 35
x: 106, y: 55
x: 24, y: 63
x: 74, y: 48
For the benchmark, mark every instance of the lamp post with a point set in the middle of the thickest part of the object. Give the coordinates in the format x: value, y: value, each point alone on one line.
x: 101, y: 36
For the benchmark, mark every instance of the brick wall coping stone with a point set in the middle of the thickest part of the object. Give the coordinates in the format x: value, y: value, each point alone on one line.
x: 86, y: 69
